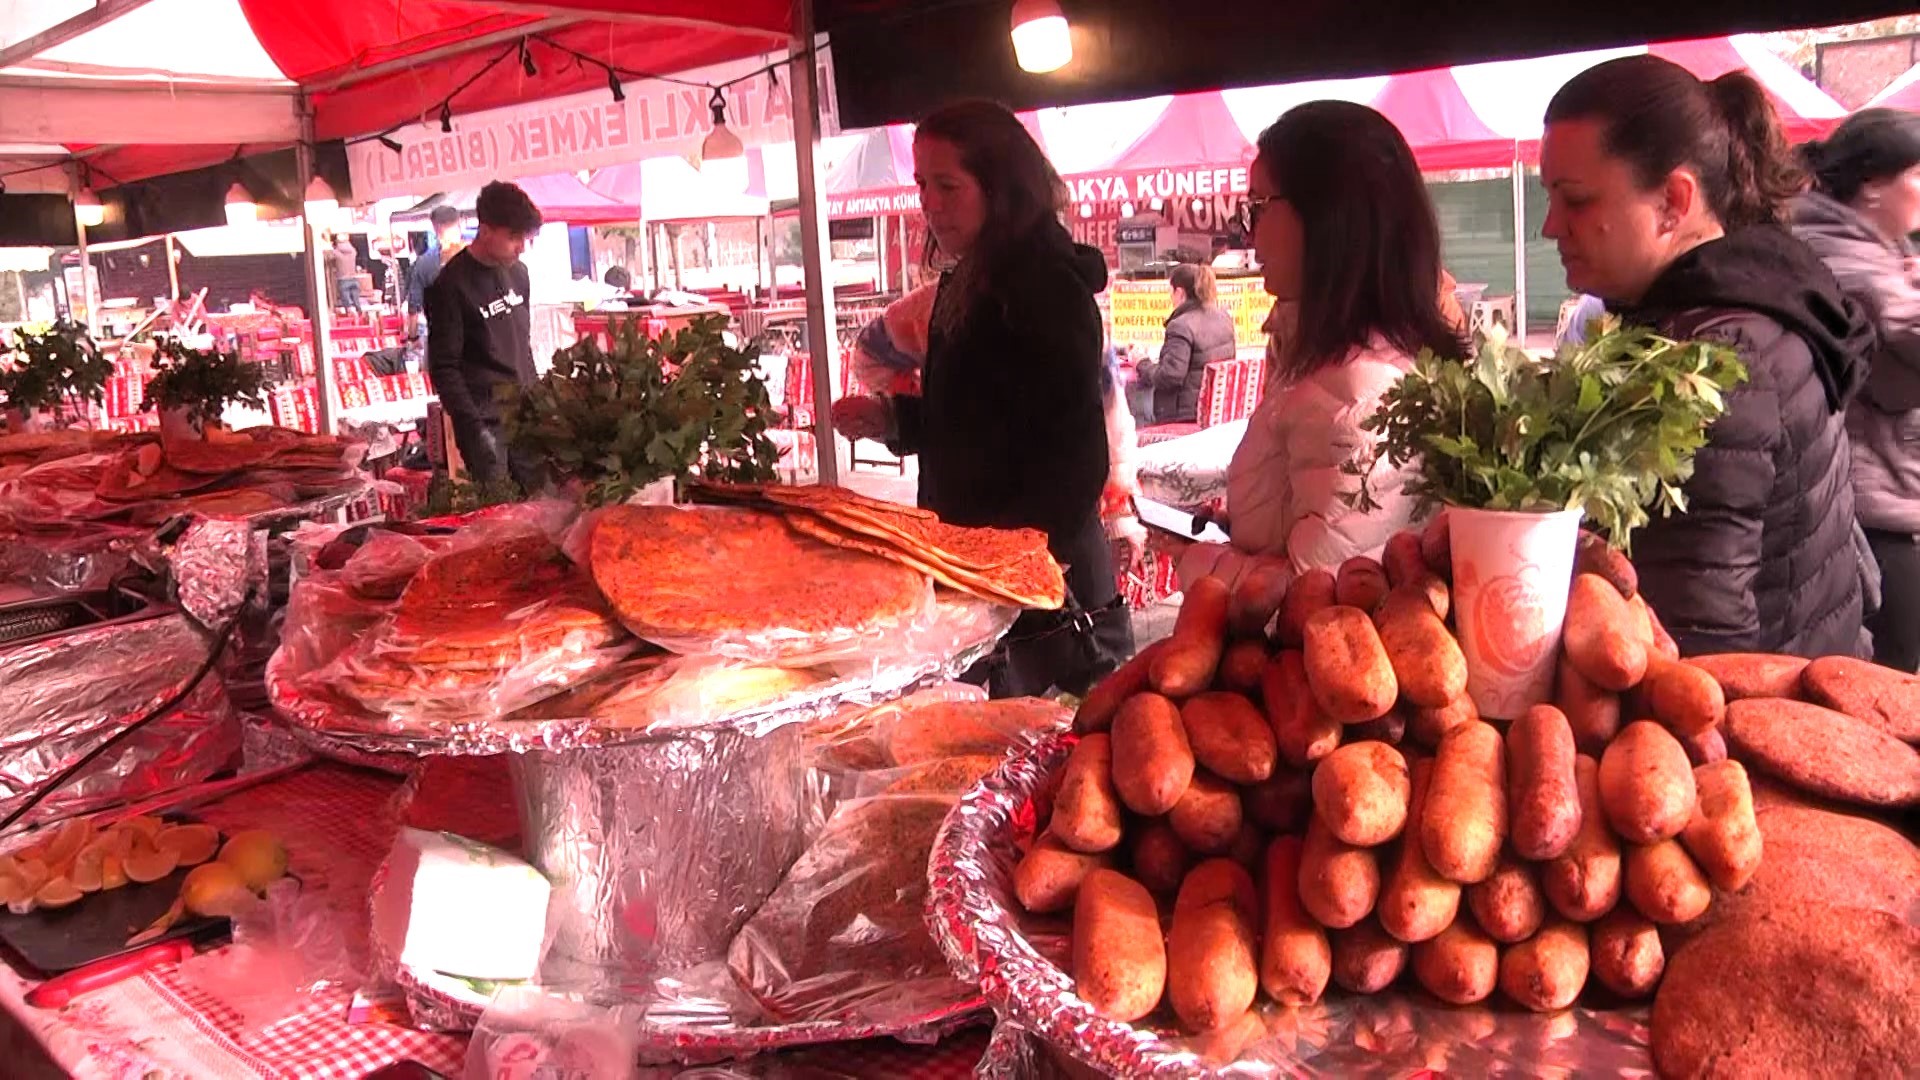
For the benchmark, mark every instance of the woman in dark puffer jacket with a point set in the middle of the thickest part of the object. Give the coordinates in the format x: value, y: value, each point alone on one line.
x: 1667, y: 197
x: 1865, y: 202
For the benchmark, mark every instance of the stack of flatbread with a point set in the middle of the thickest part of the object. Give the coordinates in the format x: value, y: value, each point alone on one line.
x: 484, y: 628
x: 226, y: 460
x: 1009, y: 566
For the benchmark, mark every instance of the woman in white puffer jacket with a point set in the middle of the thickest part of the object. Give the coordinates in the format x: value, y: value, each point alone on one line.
x: 1350, y: 251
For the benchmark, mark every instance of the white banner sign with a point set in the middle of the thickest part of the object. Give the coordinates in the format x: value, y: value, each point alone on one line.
x: 587, y: 130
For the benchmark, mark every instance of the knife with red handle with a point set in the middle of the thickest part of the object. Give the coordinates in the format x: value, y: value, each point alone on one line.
x: 61, y: 989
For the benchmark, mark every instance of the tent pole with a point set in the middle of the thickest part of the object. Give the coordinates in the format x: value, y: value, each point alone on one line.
x: 1519, y: 248
x: 86, y: 264
x: 880, y: 252
x: 822, y: 325
x: 173, y: 268
x: 317, y: 305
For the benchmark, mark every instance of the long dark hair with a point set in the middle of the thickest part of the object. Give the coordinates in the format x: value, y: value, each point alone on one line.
x: 1872, y: 144
x: 1657, y: 116
x: 1023, y: 194
x: 1371, y: 259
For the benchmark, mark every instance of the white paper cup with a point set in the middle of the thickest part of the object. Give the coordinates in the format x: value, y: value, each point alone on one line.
x: 1511, y: 573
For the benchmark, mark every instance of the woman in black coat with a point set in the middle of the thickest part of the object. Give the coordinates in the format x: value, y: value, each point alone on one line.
x: 1667, y: 196
x: 1009, y: 425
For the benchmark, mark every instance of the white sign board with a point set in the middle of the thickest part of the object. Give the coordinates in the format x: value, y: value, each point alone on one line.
x: 588, y: 130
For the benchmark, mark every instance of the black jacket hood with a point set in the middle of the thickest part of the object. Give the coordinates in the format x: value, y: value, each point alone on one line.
x: 1766, y: 269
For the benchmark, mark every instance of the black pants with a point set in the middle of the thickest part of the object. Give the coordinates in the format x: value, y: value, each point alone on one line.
x: 1896, y: 626
x: 484, y: 451
x: 1071, y: 649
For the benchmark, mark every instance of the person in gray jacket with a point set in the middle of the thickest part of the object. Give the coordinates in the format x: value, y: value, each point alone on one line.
x: 1858, y: 217
x: 1199, y: 332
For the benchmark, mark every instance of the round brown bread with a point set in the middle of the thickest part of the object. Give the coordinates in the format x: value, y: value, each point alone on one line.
x: 1883, y: 697
x: 1366, y: 959
x: 1841, y: 859
x: 1826, y: 752
x: 1797, y: 990
x: 1753, y: 675
x: 1627, y: 954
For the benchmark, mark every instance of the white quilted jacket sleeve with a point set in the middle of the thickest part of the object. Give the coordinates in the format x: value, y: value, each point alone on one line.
x: 1286, y: 484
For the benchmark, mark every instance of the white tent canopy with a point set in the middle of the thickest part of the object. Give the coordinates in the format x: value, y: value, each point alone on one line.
x: 105, y: 74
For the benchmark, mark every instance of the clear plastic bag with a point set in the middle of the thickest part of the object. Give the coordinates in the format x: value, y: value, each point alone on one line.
x: 844, y: 936
x: 286, y: 947
x: 403, y: 637
x: 948, y: 721
x: 529, y: 1034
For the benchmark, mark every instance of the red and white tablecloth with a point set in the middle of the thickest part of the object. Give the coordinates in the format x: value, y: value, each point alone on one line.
x: 337, y: 824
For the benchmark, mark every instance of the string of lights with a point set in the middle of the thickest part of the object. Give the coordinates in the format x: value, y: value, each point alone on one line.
x: 615, y: 75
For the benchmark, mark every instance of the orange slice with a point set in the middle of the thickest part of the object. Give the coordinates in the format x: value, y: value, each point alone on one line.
x: 34, y: 873
x: 57, y: 893
x: 13, y: 888
x: 86, y: 872
x: 75, y: 834
x: 113, y: 871
x: 193, y: 844
x: 145, y: 867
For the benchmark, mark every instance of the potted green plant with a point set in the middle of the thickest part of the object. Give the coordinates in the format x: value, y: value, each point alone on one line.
x: 613, y: 423
x: 1519, y: 450
x: 193, y: 387
x: 43, y: 371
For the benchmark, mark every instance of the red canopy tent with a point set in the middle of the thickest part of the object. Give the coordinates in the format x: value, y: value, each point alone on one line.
x: 363, y: 66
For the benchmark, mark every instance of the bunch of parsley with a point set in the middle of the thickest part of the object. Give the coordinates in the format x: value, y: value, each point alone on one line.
x: 1609, y: 427
x: 202, y: 382
x: 47, y: 369
x: 679, y: 405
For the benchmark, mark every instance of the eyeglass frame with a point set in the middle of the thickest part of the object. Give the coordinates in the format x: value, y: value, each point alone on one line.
x: 1250, y: 210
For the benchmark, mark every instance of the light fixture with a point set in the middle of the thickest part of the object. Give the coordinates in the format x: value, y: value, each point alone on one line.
x: 613, y: 84
x: 391, y: 143
x: 241, y: 209
x: 87, y: 209
x: 446, y: 119
x: 1042, y: 40
x: 723, y: 157
x: 526, y: 60
x: 320, y: 200
x: 1086, y: 211
x: 1158, y: 204
x: 1197, y: 206
x: 1126, y: 209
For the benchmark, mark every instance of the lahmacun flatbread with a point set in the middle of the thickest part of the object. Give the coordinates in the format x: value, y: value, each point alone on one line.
x: 1826, y: 752
x: 1033, y: 582
x: 684, y: 576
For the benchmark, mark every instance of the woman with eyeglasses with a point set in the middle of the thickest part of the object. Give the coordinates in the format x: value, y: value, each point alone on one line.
x: 1350, y: 252
x: 1009, y: 421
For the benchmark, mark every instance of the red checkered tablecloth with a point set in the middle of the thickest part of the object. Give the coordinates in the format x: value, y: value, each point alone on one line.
x: 337, y: 823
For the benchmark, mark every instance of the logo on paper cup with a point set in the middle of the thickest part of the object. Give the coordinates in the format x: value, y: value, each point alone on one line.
x: 1510, y: 631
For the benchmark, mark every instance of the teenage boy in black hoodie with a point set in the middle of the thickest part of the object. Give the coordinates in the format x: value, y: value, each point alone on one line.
x: 480, y: 332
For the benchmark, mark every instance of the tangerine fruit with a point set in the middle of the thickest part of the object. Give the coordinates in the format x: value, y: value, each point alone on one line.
x: 215, y: 889
x: 257, y: 855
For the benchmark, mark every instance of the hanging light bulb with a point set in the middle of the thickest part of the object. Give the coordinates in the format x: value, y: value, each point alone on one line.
x: 1158, y: 204
x: 320, y: 200
x: 613, y: 84
x: 446, y: 119
x: 241, y: 209
x: 526, y: 60
x: 1042, y: 40
x: 1126, y: 209
x: 87, y: 209
x: 723, y: 157
x: 1086, y: 211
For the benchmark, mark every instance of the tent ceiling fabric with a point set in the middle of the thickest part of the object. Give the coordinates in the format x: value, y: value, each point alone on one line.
x: 1141, y: 48
x: 1903, y: 93
x: 368, y: 65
